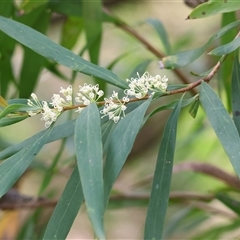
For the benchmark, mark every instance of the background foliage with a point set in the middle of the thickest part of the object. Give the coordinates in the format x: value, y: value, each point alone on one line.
x: 169, y: 171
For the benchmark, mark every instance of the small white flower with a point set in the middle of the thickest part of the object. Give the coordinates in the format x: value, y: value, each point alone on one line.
x: 58, y: 102
x: 49, y: 115
x: 35, y: 103
x: 114, y: 108
x: 139, y: 87
x: 88, y: 94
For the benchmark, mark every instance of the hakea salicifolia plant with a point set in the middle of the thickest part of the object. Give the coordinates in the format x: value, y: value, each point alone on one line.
x: 114, y: 107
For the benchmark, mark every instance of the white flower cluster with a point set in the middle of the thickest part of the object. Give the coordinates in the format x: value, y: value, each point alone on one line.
x: 141, y: 86
x: 114, y: 108
x: 88, y: 94
x: 50, y: 115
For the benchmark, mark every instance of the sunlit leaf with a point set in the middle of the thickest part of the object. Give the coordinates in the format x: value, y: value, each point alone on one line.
x: 225, y: 71
x: 66, y: 210
x: 3, y: 102
x: 29, y: 5
x: 236, y: 93
x: 158, y: 202
x: 89, y: 152
x: 227, y: 48
x: 222, y: 124
x: 214, y: 7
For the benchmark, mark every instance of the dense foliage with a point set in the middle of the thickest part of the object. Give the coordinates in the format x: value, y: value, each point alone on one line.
x: 107, y: 123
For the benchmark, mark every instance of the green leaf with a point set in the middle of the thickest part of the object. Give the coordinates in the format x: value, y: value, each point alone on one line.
x: 236, y: 93
x: 7, y: 46
x: 211, y: 8
x: 171, y: 105
x: 9, y: 120
x: 74, y: 8
x: 160, y: 29
x: 218, y: 232
x: 227, y: 48
x: 12, y: 168
x: 7, y: 8
x: 66, y: 7
x: 33, y: 63
x: 15, y: 108
x: 66, y: 210
x: 58, y: 132
x: 92, y: 22
x: 47, y: 48
x: 158, y: 202
x: 3, y: 102
x: 222, y: 124
x: 194, y: 108
x: 184, y: 58
x: 140, y: 68
x: 92, y: 18
x: 71, y: 30
x: 228, y: 201
x: 49, y: 172
x: 119, y: 58
x: 225, y: 72
x: 88, y: 145
x: 120, y: 145
x: 29, y: 5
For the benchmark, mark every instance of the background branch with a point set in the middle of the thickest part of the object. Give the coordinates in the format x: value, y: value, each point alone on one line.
x: 205, y: 168
x: 126, y: 28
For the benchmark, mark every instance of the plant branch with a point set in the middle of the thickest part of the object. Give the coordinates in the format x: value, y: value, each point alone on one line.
x: 206, y: 78
x: 14, y: 200
x: 152, y: 49
x: 210, y: 170
x: 205, y: 168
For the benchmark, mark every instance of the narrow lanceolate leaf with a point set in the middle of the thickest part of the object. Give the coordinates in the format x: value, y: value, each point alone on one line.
x: 66, y: 210
x: 229, y: 201
x: 222, y: 124
x: 184, y: 58
x: 120, y: 145
x: 88, y: 144
x: 9, y: 120
x: 47, y: 48
x: 3, y: 102
x: 12, y: 168
x: 225, y: 72
x: 158, y: 202
x: 58, y: 132
x: 236, y: 93
x: 92, y: 19
x: 160, y: 29
x: 14, y: 108
x: 214, y: 7
x: 226, y: 48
